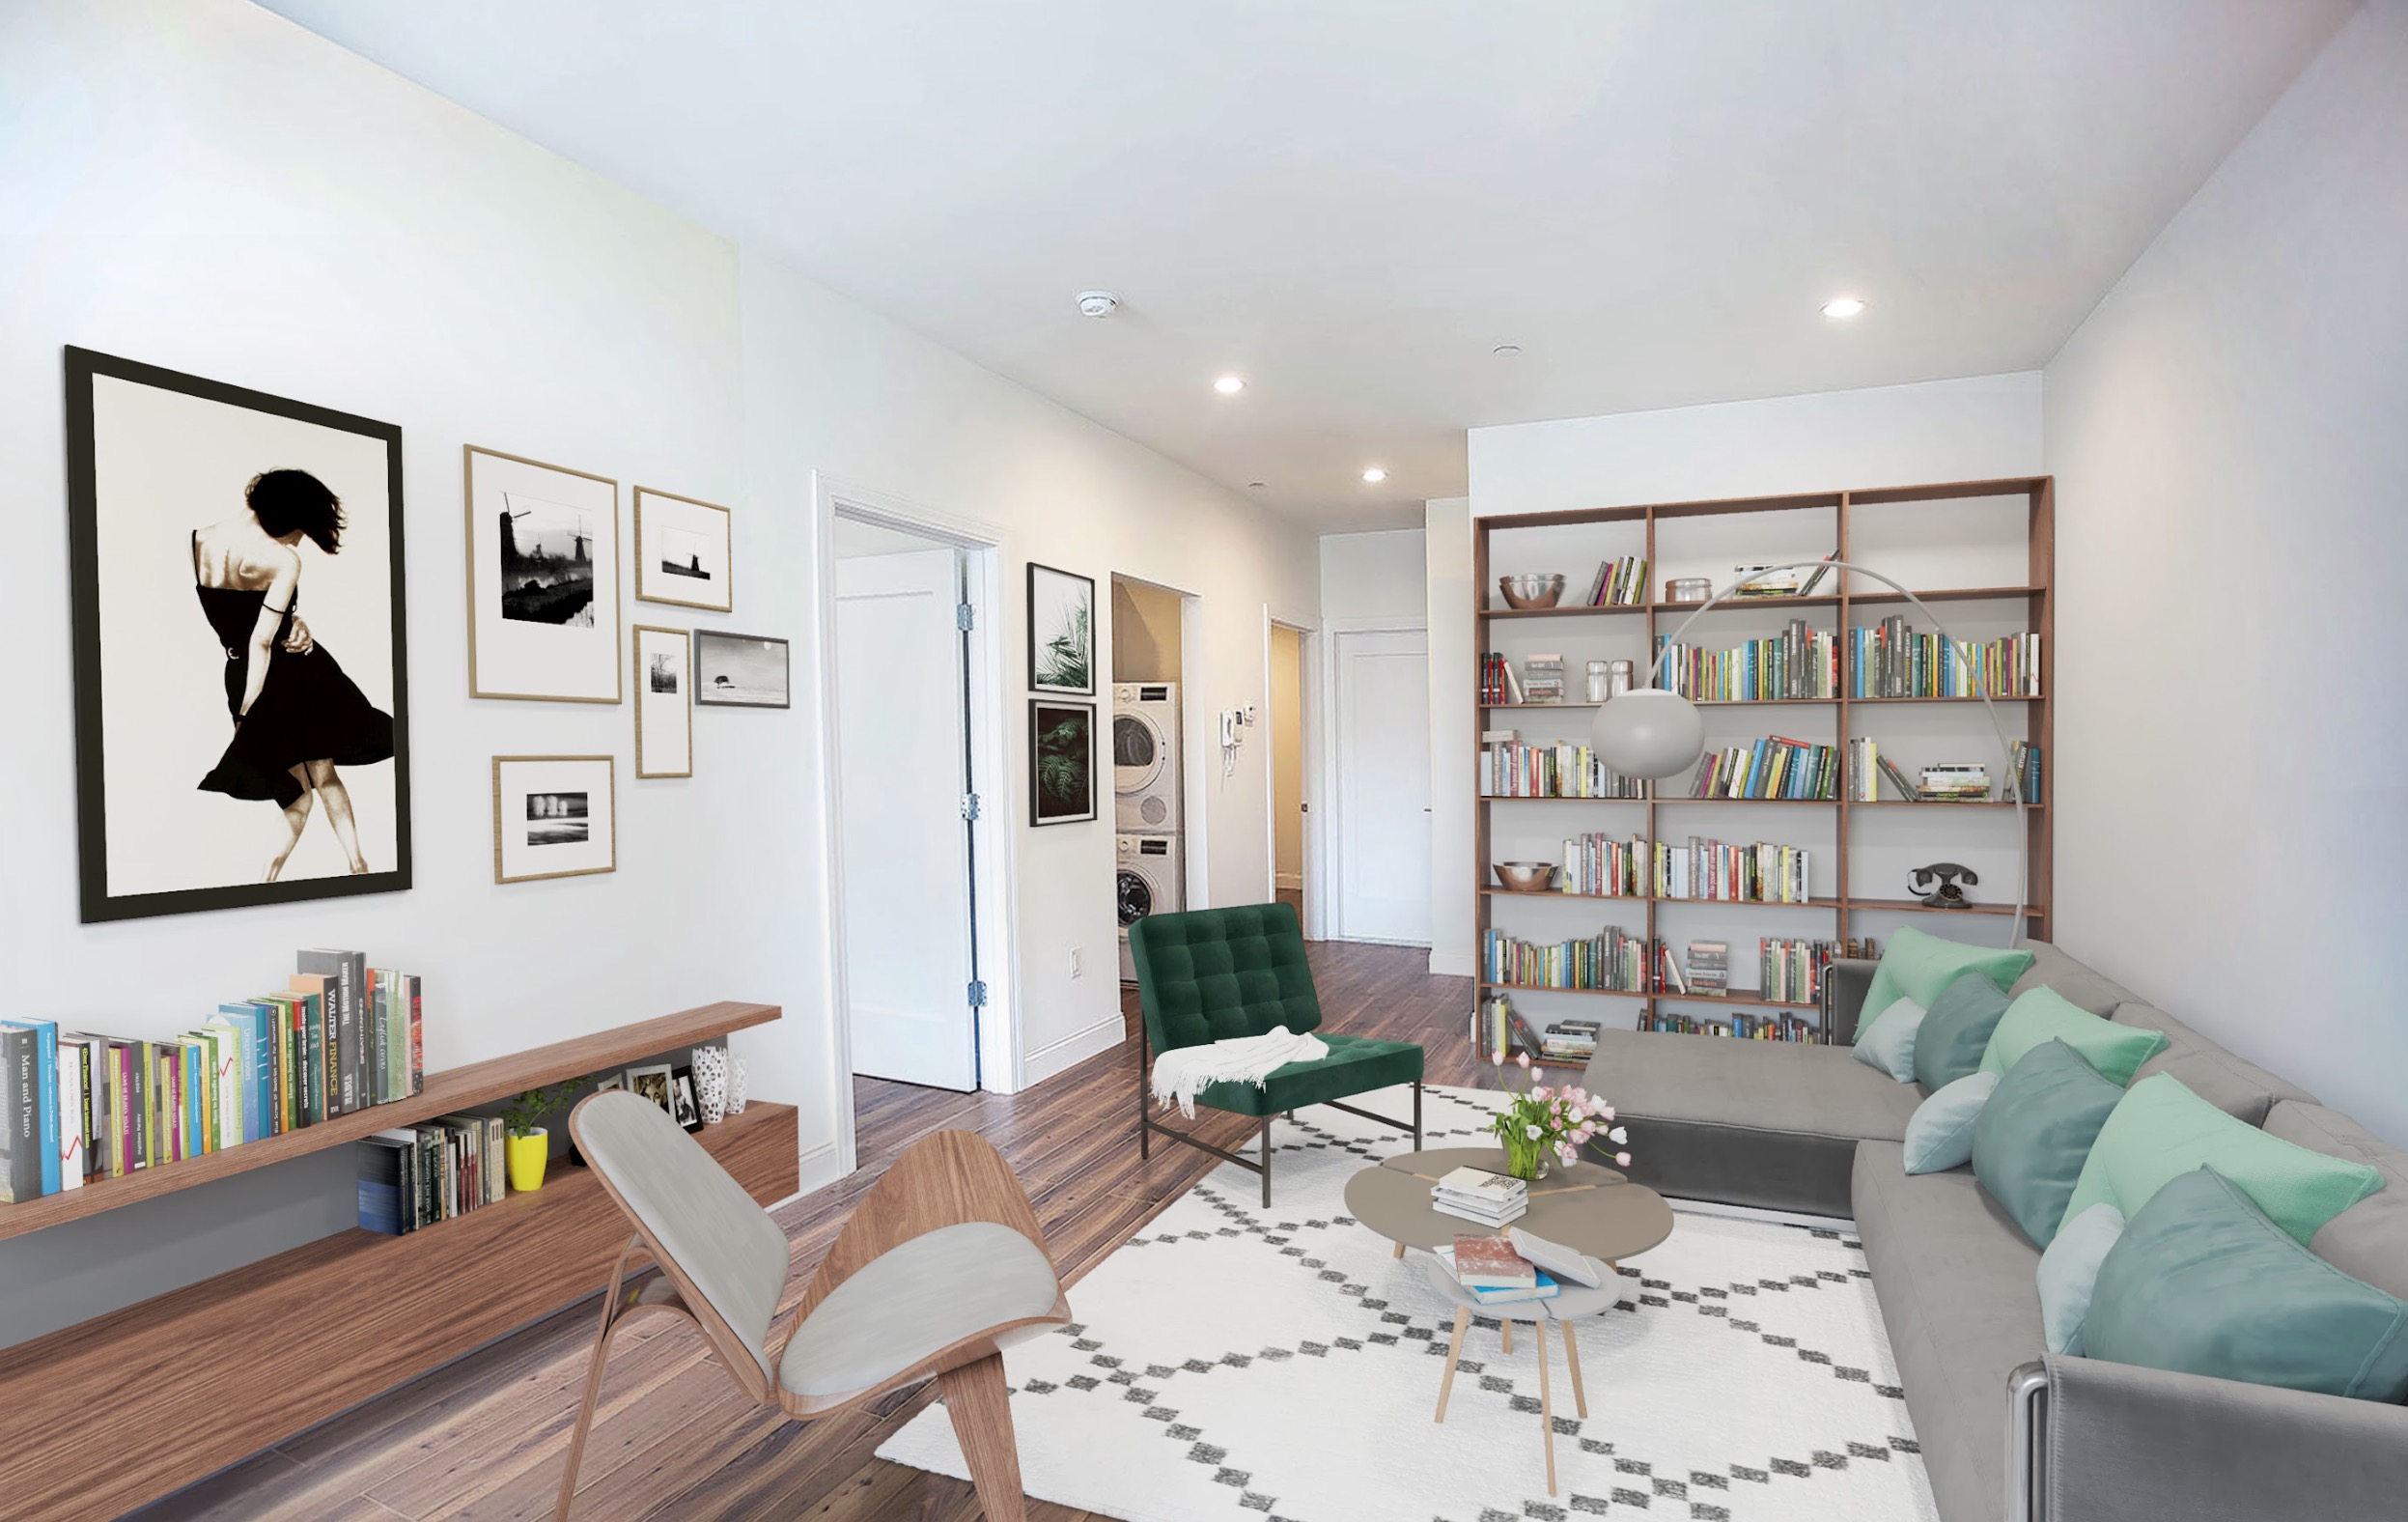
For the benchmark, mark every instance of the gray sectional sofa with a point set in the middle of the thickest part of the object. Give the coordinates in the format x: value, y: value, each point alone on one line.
x: 2007, y: 1431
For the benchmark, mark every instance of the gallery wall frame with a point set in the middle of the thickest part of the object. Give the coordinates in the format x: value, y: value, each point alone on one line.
x: 664, y: 715
x: 685, y: 551
x: 733, y: 671
x: 1061, y: 762
x: 554, y: 816
x: 170, y: 478
x: 1061, y: 632
x: 543, y: 592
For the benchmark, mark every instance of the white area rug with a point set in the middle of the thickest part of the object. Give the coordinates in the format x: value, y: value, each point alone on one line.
x: 1230, y: 1363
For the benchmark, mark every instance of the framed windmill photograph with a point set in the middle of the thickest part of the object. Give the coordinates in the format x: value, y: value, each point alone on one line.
x: 683, y: 551
x: 1061, y: 632
x: 542, y: 580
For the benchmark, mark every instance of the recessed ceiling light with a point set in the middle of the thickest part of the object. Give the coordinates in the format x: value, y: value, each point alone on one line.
x: 1229, y: 385
x: 1842, y: 307
x: 1506, y: 350
x: 1375, y: 475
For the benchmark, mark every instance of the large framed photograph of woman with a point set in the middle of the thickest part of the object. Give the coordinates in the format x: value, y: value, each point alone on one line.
x: 242, y: 682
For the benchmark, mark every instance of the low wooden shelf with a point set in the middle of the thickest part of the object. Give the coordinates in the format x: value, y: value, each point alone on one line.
x: 101, y: 1416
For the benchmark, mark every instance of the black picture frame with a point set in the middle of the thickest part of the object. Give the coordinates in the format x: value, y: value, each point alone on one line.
x: 708, y: 662
x: 684, y: 1103
x: 1042, y: 679
x: 99, y: 901
x: 1061, y: 732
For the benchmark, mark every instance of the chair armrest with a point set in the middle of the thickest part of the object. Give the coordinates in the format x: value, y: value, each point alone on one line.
x: 1846, y: 986
x: 2089, y: 1441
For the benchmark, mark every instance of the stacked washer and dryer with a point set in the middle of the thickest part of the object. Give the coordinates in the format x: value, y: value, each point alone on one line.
x: 1146, y: 805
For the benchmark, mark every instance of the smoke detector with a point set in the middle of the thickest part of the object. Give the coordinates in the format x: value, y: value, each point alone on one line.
x: 1098, y: 303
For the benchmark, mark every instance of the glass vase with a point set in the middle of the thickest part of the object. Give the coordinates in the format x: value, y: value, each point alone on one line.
x: 1525, y: 1159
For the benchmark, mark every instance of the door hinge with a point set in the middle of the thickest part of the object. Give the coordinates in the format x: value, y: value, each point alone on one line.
x: 965, y: 617
x: 978, y: 995
x: 969, y: 807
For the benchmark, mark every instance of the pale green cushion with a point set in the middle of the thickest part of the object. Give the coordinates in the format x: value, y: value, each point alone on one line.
x: 2031, y: 1138
x: 1939, y: 1134
x: 1917, y: 965
x: 1952, y: 1039
x: 2163, y: 1131
x: 1889, y: 1046
x: 2042, y: 1014
x: 2069, y: 1269
x: 2204, y: 1283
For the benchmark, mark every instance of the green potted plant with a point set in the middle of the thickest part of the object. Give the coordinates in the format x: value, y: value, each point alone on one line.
x: 1557, y: 1120
x: 530, y: 1144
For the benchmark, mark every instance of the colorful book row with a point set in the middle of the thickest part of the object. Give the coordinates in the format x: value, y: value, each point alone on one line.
x: 416, y: 1175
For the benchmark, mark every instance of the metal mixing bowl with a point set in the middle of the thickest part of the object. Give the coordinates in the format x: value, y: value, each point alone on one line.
x: 1525, y: 877
x: 1531, y: 591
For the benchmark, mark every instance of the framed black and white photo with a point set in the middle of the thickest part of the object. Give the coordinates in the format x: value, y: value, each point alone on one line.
x: 1061, y: 631
x: 664, y: 712
x: 542, y: 580
x: 653, y: 1083
x: 685, y: 551
x: 739, y: 670
x: 241, y: 675
x: 554, y: 816
x: 684, y: 1108
x: 1061, y: 762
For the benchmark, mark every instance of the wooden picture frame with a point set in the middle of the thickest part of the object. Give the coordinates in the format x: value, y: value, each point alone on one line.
x: 733, y: 671
x: 1061, y: 632
x: 533, y: 640
x: 665, y: 720
x: 1061, y: 762
x: 165, y: 471
x: 547, y: 804
x: 685, y: 551
x: 650, y: 1083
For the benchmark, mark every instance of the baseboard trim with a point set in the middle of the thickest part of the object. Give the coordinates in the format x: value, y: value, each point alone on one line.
x: 1292, y: 882
x: 1072, y: 1049
x: 821, y: 1167
x: 1452, y: 964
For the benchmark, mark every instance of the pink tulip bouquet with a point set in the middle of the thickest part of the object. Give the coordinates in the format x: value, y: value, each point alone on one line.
x: 1546, y: 1119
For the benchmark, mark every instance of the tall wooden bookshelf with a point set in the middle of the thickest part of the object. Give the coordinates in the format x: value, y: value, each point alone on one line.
x: 2002, y: 580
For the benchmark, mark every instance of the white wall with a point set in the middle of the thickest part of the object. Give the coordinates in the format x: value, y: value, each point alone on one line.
x: 200, y: 184
x: 1977, y: 429
x: 2230, y: 434
x: 1374, y: 577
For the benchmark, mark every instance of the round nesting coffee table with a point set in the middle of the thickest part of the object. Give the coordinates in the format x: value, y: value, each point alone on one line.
x: 1586, y: 1206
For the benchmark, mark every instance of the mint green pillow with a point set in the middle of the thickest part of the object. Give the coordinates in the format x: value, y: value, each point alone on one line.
x: 2163, y: 1131
x: 1939, y: 1134
x: 2043, y: 1014
x: 1918, y: 967
x: 2069, y: 1273
x: 2202, y: 1283
x: 2031, y: 1138
x: 1890, y: 1046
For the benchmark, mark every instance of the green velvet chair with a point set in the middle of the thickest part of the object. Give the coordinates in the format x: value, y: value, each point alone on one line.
x: 1212, y: 975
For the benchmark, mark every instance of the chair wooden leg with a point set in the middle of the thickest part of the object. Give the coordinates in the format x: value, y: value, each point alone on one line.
x: 1507, y: 1324
x: 1454, y: 1350
x: 1572, y: 1356
x: 1546, y: 1405
x: 1265, y: 1162
x: 980, y: 1404
x: 592, y: 1396
x: 1400, y: 1250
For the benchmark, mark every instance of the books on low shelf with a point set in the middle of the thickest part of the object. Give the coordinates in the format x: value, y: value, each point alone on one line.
x: 1509, y: 768
x: 1709, y: 967
x: 1746, y: 1028
x: 1498, y: 1031
x: 413, y: 1176
x: 1612, y: 959
x: 341, y: 1037
x: 1494, y: 1273
x: 1473, y: 1194
x: 1570, y: 1038
x: 1709, y: 870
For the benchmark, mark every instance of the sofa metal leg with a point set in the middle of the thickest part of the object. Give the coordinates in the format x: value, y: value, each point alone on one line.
x: 1145, y: 1131
x: 1416, y: 1116
x: 1265, y: 1162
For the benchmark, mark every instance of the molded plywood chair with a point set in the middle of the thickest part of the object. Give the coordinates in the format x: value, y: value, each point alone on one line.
x: 1214, y: 974
x: 941, y: 1266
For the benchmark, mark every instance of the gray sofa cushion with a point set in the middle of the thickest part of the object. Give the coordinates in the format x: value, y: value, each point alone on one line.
x: 2240, y: 1089
x: 1787, y: 1086
x: 1958, y: 1285
x: 2369, y: 1240
x: 2073, y: 981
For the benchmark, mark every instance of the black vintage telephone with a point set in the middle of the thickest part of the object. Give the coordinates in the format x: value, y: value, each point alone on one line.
x: 1944, y: 875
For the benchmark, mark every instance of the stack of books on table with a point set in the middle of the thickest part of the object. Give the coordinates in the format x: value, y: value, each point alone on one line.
x: 1494, y: 1273
x: 1471, y: 1193
x: 1570, y: 1038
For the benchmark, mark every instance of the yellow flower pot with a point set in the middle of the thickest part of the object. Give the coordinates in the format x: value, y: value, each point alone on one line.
x: 527, y: 1155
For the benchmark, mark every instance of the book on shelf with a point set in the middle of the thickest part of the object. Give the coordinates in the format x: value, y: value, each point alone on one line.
x: 1612, y: 960
x: 1772, y: 767
x: 1569, y: 1038
x: 1509, y: 768
x: 21, y: 1104
x: 1908, y: 792
x: 1791, y: 970
x: 1742, y: 1028
x: 1798, y: 662
x: 1955, y: 782
x: 1498, y: 1029
x: 1862, y: 780
x: 1890, y: 660
x: 1763, y: 581
x: 1598, y: 864
x: 1709, y: 966
x: 2026, y: 771
x: 1619, y: 583
x: 1711, y: 871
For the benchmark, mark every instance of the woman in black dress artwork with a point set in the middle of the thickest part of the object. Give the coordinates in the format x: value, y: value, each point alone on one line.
x: 296, y: 716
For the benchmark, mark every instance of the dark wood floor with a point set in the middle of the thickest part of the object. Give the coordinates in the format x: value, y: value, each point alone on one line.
x: 482, y: 1438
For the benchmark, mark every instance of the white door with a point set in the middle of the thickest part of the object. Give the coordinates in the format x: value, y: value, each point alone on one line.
x: 901, y: 745
x: 1383, y: 754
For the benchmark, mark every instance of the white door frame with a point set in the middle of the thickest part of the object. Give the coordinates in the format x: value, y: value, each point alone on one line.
x: 1321, y: 841
x: 995, y: 869
x: 1304, y: 635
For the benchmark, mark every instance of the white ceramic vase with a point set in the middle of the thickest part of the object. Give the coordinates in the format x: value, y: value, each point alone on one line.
x: 735, y: 1085
x: 710, y: 1082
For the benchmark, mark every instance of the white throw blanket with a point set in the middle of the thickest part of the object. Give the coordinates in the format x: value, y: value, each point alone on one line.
x: 1241, y: 1059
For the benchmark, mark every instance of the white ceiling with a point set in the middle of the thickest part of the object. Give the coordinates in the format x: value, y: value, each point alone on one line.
x: 1350, y: 202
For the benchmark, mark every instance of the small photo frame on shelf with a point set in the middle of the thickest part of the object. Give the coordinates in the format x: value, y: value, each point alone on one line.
x: 655, y: 1084
x: 685, y: 551
x: 1061, y: 631
x: 684, y: 1108
x: 1061, y: 762
x: 542, y: 580
x: 739, y: 670
x: 554, y: 816
x: 664, y: 702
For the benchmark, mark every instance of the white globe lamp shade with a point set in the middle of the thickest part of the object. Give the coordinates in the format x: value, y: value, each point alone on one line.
x: 1649, y: 732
